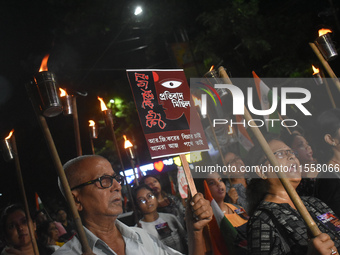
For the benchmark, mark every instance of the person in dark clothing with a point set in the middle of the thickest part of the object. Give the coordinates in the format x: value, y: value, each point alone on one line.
x: 15, y: 232
x: 304, y: 153
x: 275, y: 226
x: 67, y: 224
x: 327, y: 186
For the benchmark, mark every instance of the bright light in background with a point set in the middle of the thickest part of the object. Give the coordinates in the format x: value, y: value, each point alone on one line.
x: 112, y: 101
x: 138, y: 10
x: 0, y: 194
x: 145, y: 168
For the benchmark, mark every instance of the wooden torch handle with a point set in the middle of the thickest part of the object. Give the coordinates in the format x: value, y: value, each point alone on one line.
x: 285, y: 182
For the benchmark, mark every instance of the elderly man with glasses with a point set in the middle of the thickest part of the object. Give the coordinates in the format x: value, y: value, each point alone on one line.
x: 97, y: 194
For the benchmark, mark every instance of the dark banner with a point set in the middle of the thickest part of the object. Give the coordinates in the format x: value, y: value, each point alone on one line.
x: 163, y: 103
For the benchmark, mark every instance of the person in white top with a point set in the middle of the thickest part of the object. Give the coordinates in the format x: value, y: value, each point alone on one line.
x: 164, y: 226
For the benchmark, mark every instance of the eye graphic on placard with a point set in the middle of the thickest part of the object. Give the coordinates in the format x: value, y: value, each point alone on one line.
x: 171, y: 84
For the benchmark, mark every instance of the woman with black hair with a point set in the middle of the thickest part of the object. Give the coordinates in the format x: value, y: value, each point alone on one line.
x: 163, y: 226
x: 48, y: 236
x: 304, y: 153
x: 275, y: 226
x: 15, y: 232
x: 167, y: 203
x: 237, y: 181
x: 327, y: 186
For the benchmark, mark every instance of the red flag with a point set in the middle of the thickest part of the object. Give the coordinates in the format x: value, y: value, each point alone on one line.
x: 38, y: 203
x: 173, y: 191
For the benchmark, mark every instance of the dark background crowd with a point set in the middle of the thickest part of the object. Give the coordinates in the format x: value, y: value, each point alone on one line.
x: 91, y: 44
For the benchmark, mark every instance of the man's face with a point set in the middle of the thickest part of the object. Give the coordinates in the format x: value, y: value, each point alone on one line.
x: 93, y: 200
x: 17, y: 230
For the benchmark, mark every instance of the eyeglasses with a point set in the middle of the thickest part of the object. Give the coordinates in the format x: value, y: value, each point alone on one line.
x: 149, y: 196
x: 105, y: 181
x: 281, y: 154
x: 284, y: 153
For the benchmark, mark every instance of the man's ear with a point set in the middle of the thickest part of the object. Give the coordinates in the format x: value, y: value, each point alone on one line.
x: 329, y: 140
x: 76, y: 196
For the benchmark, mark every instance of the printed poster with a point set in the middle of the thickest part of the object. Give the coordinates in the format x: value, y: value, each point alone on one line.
x: 163, y: 103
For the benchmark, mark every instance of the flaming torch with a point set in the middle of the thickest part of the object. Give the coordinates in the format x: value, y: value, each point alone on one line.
x: 47, y: 90
x: 7, y: 147
x: 46, y: 85
x: 11, y: 152
x: 317, y: 51
x: 128, y: 147
x: 213, y: 75
x: 319, y: 78
x: 201, y: 104
x: 93, y: 133
x: 108, y: 117
x: 70, y: 108
x: 66, y: 101
x: 93, y: 129
x: 325, y: 44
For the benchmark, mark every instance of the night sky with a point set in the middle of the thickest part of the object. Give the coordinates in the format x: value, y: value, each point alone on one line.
x: 87, y: 54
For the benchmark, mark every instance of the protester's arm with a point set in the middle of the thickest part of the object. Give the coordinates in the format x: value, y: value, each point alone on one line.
x: 198, y: 214
x: 232, y: 193
x: 322, y: 244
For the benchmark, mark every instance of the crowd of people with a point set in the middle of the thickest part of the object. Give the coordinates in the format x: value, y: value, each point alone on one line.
x: 262, y: 217
x: 48, y: 234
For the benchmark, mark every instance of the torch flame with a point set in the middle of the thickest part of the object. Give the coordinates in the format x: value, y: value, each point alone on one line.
x: 324, y: 31
x: 127, y: 143
x: 211, y: 68
x: 43, y: 66
x: 92, y: 123
x: 102, y: 104
x: 315, y: 70
x: 230, y: 130
x: 10, y: 135
x: 63, y: 92
x: 197, y: 101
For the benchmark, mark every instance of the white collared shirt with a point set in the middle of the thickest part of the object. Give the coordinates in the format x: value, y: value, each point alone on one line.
x: 137, y: 241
